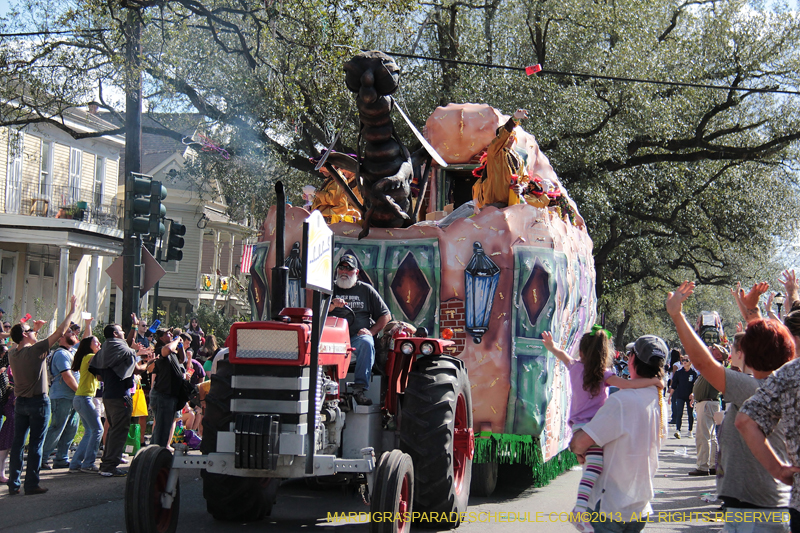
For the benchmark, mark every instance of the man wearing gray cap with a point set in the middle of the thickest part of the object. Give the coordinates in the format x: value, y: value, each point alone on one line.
x: 366, y: 315
x: 630, y: 427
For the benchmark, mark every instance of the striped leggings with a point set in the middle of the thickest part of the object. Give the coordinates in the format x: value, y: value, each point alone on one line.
x: 592, y: 469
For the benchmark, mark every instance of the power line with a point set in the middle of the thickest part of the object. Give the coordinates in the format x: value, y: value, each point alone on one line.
x: 597, y: 76
x: 46, y: 33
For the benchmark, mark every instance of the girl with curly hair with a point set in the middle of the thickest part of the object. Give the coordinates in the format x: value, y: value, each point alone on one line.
x: 590, y: 377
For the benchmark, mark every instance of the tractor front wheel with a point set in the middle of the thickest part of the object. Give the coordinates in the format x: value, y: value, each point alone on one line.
x: 146, y: 482
x: 393, y: 494
x: 436, y: 431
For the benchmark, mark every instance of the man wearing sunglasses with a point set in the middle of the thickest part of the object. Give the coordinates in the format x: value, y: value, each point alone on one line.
x: 366, y: 315
x: 32, y: 411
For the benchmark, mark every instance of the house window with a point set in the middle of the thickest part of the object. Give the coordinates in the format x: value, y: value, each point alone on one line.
x: 16, y: 142
x: 75, y: 167
x: 46, y: 169
x: 99, y: 175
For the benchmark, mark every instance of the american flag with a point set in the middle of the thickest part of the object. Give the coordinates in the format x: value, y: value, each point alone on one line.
x: 247, y: 257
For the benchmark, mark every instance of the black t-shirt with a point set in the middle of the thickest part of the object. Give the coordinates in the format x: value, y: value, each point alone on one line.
x: 365, y: 302
x: 168, y: 382
x: 683, y: 383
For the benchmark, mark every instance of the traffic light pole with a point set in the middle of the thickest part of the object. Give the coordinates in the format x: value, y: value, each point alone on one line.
x: 131, y: 244
x: 155, y: 288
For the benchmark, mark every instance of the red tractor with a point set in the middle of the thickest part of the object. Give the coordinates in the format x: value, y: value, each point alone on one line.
x: 279, y: 409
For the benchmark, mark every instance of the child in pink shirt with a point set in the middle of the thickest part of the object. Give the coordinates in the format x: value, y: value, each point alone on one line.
x: 590, y: 377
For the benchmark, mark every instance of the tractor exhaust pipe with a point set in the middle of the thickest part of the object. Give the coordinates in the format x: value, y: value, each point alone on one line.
x: 280, y: 272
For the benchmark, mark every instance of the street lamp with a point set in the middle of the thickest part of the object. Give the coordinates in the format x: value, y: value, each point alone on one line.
x: 779, y: 299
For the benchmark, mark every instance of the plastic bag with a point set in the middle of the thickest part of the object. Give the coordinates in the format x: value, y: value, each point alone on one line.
x: 139, y: 403
x: 134, y: 440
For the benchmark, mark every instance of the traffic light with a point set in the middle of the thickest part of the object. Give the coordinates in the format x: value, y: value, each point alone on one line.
x: 175, y: 242
x: 147, y: 207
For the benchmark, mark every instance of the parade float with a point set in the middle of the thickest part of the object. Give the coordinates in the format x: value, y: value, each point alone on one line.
x: 497, y: 278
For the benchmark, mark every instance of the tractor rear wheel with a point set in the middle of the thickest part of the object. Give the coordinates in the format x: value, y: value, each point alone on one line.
x: 229, y: 498
x: 436, y: 431
x: 393, y: 494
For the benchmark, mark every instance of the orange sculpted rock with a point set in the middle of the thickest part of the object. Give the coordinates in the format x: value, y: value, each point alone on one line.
x: 460, y: 131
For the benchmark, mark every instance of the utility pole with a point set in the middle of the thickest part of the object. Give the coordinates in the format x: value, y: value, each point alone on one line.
x: 132, y: 246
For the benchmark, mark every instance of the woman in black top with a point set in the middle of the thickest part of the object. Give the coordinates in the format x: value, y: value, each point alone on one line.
x: 165, y: 385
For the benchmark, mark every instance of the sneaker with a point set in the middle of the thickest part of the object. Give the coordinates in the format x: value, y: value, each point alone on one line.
x: 37, y: 490
x: 90, y: 470
x: 60, y: 465
x: 361, y: 398
x: 74, y: 470
x: 115, y: 473
x: 677, y: 434
x: 698, y: 472
x: 712, y: 471
x: 123, y: 460
x: 46, y: 466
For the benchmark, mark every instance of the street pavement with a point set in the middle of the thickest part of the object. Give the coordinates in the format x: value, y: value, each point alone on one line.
x: 88, y: 503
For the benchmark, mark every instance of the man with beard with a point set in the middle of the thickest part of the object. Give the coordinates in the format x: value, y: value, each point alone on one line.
x: 64, y: 419
x: 366, y: 315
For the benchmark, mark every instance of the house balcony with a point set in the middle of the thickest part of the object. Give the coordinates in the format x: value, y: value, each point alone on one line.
x: 63, y: 202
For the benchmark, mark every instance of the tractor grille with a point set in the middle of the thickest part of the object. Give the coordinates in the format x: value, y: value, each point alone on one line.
x: 267, y: 344
x: 257, y: 441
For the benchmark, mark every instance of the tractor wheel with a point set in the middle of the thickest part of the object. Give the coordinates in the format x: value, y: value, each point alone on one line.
x: 484, y: 478
x: 146, y: 481
x: 229, y: 498
x: 436, y: 431
x: 393, y: 494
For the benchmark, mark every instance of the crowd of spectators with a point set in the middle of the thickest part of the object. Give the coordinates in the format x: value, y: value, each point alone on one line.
x: 50, y: 388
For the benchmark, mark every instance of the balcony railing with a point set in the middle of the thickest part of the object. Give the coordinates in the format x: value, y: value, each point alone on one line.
x: 76, y: 203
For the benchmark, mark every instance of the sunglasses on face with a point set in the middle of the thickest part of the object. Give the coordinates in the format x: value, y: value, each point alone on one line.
x: 345, y: 268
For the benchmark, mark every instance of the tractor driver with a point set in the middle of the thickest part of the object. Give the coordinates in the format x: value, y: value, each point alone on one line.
x: 366, y: 315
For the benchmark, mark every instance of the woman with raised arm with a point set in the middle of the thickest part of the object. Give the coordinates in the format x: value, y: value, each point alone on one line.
x: 742, y: 483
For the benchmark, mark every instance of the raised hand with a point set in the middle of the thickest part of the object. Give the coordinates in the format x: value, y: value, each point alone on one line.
x: 675, y: 299
x: 750, y: 300
x: 547, y: 340
x: 72, y: 303
x: 519, y: 114
x: 789, y: 280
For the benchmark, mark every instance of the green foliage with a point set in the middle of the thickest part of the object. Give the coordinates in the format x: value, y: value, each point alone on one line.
x: 214, y: 322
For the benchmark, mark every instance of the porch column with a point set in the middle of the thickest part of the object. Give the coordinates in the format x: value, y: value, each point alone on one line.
x: 94, y: 288
x: 230, y: 253
x: 63, y: 281
x: 216, y: 266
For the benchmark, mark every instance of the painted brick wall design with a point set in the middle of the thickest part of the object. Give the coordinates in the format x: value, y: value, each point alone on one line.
x: 452, y: 315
